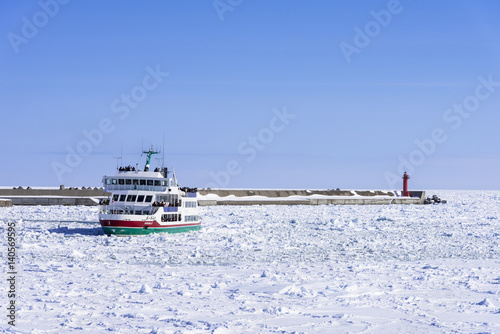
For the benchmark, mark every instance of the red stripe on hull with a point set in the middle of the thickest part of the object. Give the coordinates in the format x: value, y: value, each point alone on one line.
x: 141, y: 224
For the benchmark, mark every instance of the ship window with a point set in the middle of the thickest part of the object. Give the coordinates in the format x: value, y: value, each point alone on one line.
x: 131, y: 198
x: 128, y: 181
x: 150, y: 182
x: 140, y: 198
x: 164, y: 183
x: 169, y: 217
x: 157, y: 183
x: 113, y: 181
x: 115, y: 197
x: 121, y: 181
x: 119, y: 212
x: 149, y: 198
x: 135, y: 181
x: 143, y: 182
x: 122, y: 198
x: 108, y: 181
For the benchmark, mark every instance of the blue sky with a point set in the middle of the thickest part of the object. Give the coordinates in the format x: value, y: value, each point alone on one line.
x: 272, y: 94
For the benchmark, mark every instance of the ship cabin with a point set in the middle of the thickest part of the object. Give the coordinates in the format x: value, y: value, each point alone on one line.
x: 136, y: 192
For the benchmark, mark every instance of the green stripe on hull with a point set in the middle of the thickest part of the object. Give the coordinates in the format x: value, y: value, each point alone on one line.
x: 149, y: 230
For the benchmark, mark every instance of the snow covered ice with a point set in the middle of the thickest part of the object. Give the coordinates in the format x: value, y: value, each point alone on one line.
x: 265, y: 269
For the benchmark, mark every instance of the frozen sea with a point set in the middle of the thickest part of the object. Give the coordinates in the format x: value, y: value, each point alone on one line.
x: 264, y: 269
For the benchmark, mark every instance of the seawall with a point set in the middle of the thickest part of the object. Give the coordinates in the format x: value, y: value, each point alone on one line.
x: 207, y: 197
x: 305, y: 197
x: 61, y: 196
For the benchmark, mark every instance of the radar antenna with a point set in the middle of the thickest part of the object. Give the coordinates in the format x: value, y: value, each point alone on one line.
x: 120, y: 158
x: 175, y: 177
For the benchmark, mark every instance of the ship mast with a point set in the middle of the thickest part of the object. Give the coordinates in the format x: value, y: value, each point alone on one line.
x: 149, y: 153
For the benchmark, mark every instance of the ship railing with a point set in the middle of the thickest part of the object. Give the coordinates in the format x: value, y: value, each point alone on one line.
x: 112, y: 187
x: 120, y: 209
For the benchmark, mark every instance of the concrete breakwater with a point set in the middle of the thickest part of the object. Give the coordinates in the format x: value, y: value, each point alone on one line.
x: 206, y: 197
x: 62, y: 196
x: 305, y: 197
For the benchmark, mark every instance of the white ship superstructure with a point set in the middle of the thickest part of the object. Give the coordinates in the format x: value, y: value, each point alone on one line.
x: 144, y: 201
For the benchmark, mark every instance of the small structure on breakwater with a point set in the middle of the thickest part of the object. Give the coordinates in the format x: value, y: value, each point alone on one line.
x: 5, y: 202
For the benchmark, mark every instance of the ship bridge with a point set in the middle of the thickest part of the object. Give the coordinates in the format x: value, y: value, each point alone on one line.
x: 148, y: 181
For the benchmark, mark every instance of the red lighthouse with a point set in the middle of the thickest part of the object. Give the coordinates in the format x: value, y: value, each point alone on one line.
x: 406, y: 193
